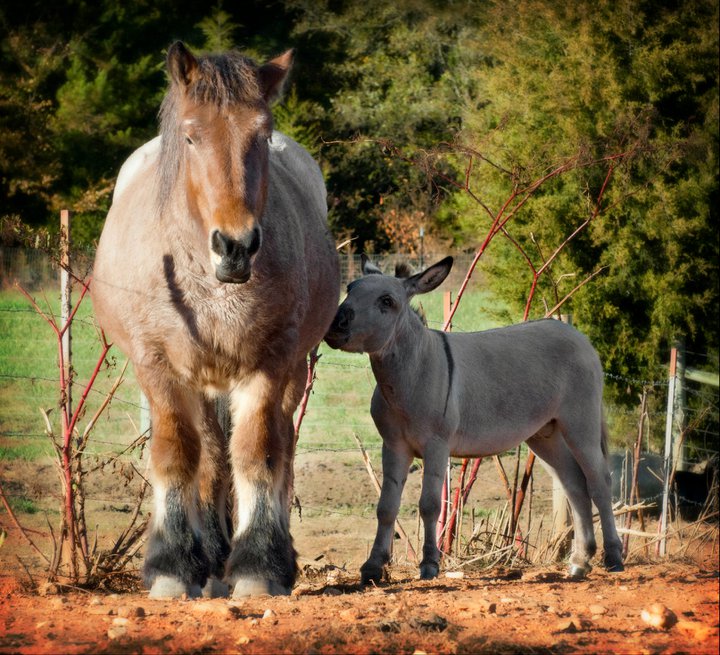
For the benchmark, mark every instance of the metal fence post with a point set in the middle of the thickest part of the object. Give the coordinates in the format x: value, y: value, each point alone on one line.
x: 667, y: 459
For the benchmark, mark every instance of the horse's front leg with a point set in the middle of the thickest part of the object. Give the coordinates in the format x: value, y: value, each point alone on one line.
x: 396, y: 462
x: 262, y: 557
x: 435, y: 459
x: 175, y: 560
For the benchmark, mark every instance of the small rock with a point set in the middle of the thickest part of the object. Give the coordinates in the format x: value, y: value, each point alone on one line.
x: 434, y: 623
x: 48, y: 589
x: 217, y: 607
x: 350, y: 614
x: 121, y: 621
x: 568, y: 625
x: 455, y: 575
x: 242, y: 640
x: 116, y: 632
x: 659, y: 616
x: 100, y: 610
x: 596, y: 609
x: 487, y: 606
x: 268, y: 614
x: 132, y: 612
x: 95, y: 600
x: 58, y: 603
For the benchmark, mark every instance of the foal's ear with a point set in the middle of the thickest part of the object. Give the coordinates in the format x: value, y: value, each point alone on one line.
x: 272, y: 75
x: 181, y: 64
x: 431, y: 278
x: 368, y: 268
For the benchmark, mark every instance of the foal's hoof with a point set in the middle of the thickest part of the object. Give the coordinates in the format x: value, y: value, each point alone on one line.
x: 370, y: 574
x: 166, y: 586
x: 614, y: 567
x: 429, y: 570
x: 578, y: 572
x: 258, y: 587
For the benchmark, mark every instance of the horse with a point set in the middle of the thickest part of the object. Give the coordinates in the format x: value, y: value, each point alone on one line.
x: 475, y: 394
x: 216, y: 274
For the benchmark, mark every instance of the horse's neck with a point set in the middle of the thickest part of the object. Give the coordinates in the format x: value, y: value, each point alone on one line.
x: 401, y: 362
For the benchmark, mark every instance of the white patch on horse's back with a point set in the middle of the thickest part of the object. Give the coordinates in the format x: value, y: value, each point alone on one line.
x: 135, y: 163
x: 278, y: 141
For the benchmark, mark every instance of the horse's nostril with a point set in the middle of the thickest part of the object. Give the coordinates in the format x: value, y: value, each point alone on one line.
x: 254, y: 242
x: 219, y: 243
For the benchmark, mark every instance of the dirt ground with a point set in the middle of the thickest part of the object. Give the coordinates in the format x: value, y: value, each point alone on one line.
x: 654, y: 606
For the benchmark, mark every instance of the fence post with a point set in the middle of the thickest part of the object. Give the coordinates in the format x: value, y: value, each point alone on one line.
x: 679, y: 448
x: 667, y: 458
x: 66, y: 305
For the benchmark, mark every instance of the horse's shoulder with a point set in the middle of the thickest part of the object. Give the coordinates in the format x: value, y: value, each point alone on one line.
x: 136, y: 164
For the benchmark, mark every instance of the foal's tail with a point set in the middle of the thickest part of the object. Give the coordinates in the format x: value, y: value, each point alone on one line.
x: 604, y: 438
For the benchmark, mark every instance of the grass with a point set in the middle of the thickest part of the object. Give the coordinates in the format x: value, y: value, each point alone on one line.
x: 338, y: 409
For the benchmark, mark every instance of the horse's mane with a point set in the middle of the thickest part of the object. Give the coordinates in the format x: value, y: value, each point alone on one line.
x: 222, y: 80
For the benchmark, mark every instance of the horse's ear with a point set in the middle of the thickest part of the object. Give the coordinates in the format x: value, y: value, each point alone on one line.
x: 181, y: 64
x: 431, y: 278
x: 368, y: 268
x: 272, y: 75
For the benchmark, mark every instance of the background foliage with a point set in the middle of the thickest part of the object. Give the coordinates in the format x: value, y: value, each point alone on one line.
x: 528, y: 84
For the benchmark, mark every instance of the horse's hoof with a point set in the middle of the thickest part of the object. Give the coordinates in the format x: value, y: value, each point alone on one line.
x: 215, y: 588
x: 258, y: 587
x: 429, y: 571
x: 614, y: 567
x: 577, y: 572
x: 165, y: 586
x: 370, y: 573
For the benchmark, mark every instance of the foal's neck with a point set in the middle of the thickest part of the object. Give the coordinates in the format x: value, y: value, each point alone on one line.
x: 401, y: 361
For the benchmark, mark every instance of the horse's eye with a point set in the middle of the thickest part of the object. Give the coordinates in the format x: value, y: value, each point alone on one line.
x: 189, y: 141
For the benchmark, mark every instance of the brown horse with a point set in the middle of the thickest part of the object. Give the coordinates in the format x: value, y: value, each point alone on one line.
x: 216, y: 274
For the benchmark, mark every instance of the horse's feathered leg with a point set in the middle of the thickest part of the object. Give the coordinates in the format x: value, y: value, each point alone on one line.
x: 262, y: 559
x: 175, y: 563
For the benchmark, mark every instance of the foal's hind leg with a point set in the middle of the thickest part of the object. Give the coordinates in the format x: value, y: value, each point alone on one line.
x: 586, y: 443
x: 175, y: 561
x: 557, y: 458
x: 262, y: 559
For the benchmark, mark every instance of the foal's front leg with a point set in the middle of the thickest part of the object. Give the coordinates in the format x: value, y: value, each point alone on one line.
x: 435, y: 459
x: 395, y: 464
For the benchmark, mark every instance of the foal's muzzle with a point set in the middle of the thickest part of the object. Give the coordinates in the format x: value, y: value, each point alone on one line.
x: 339, y: 332
x: 233, y: 257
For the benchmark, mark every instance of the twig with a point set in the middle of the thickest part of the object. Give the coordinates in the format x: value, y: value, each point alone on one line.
x: 14, y: 519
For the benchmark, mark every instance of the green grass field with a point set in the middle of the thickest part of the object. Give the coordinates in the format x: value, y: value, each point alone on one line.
x: 339, y: 406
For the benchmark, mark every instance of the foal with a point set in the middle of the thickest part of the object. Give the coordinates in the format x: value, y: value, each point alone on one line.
x: 476, y: 394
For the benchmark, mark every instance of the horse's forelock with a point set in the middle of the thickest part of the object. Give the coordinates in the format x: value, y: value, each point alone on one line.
x: 223, y: 80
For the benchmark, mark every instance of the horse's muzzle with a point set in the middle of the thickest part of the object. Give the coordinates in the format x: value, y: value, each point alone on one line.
x: 233, y: 257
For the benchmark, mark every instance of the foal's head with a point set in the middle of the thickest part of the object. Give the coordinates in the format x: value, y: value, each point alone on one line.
x: 215, y: 123
x: 368, y: 317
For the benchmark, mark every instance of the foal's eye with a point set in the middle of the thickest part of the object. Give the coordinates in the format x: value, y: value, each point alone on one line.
x: 387, y: 302
x: 189, y: 141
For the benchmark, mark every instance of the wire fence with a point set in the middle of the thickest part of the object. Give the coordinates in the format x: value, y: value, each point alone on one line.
x: 338, y: 409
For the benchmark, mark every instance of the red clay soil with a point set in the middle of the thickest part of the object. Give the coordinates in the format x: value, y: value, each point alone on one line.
x: 671, y: 607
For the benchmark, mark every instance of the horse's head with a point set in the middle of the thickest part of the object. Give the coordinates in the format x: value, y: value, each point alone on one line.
x: 368, y: 318
x: 215, y: 125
